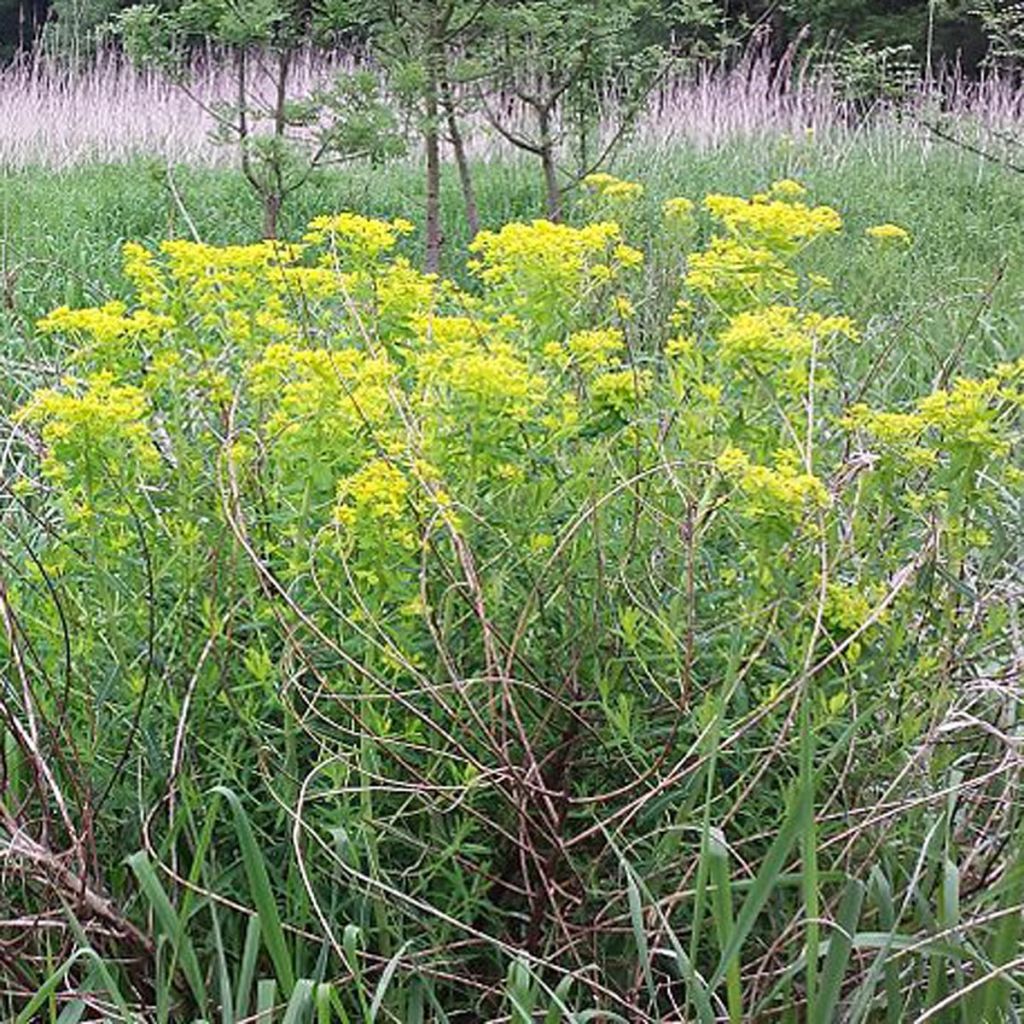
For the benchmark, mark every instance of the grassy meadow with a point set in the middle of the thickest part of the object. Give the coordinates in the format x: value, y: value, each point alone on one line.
x: 613, y: 632
x: 63, y: 229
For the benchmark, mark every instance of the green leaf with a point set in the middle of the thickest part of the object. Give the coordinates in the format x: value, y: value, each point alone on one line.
x: 261, y: 892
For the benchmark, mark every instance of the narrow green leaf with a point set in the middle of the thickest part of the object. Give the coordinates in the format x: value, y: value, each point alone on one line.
x: 266, y: 997
x: 718, y: 858
x: 838, y: 957
x: 247, y: 968
x: 764, y: 882
x: 385, y: 981
x: 171, y: 924
x: 261, y: 892
x: 300, y: 1003
x: 636, y: 918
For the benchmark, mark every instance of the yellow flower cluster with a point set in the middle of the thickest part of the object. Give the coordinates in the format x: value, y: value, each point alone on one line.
x: 607, y: 186
x: 483, y: 379
x: 734, y: 275
x: 92, y: 431
x: 678, y: 211
x: 847, y: 606
x: 544, y: 272
x: 140, y: 268
x: 889, y: 234
x: 619, y: 391
x: 357, y: 238
x: 771, y: 336
x: 108, y: 326
x: 376, y: 496
x: 592, y: 350
x: 750, y: 270
x: 787, y: 188
x: 784, y: 490
x: 777, y: 222
x: 325, y: 402
x: 970, y: 414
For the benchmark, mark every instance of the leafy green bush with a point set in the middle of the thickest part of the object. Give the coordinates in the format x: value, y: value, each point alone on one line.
x: 576, y: 641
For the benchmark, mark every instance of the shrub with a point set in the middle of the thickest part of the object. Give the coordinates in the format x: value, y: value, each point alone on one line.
x: 533, y: 636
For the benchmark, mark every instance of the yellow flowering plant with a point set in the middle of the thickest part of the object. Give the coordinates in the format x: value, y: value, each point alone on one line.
x: 505, y: 551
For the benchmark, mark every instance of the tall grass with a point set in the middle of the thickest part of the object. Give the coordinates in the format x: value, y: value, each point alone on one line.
x: 103, y: 109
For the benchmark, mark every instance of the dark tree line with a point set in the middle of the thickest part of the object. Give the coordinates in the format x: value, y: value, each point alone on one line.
x: 949, y: 26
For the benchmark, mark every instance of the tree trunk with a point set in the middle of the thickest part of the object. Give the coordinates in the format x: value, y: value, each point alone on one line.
x: 461, y: 160
x: 552, y: 192
x: 274, y: 191
x: 271, y: 211
x: 432, y: 144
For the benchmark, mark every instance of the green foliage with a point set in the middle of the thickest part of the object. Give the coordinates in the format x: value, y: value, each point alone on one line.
x: 281, y: 138
x: 593, y: 594
x: 560, y: 58
x: 1004, y: 24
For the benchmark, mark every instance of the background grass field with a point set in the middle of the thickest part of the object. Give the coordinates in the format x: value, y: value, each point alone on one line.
x: 959, y: 289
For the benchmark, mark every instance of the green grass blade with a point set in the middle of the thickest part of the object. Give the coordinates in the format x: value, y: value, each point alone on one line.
x: 838, y: 957
x: 266, y: 998
x: 636, y: 918
x: 697, y: 989
x: 809, y: 852
x: 559, y: 1010
x: 300, y: 1003
x: 247, y: 968
x: 261, y: 892
x: 385, y: 982
x: 322, y: 1002
x: 171, y: 924
x: 101, y: 969
x: 72, y: 1013
x: 764, y: 882
x: 227, y: 1002
x: 998, y: 991
x: 49, y: 987
x: 718, y: 859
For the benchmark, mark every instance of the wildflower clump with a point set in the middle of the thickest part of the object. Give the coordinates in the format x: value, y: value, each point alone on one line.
x: 355, y: 239
x: 783, y: 489
x: 608, y: 187
x: 93, y: 430
x: 735, y: 276
x: 775, y: 336
x: 775, y: 221
x: 678, y: 211
x: 107, y: 333
x: 372, y: 502
x: 490, y: 561
x: 972, y: 413
x: 550, y: 275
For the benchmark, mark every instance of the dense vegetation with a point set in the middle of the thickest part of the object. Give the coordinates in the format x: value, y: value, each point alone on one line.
x: 312, y: 533
x: 444, y: 580
x: 951, y: 25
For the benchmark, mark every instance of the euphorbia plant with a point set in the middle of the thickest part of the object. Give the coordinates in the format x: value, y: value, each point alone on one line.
x: 509, y: 577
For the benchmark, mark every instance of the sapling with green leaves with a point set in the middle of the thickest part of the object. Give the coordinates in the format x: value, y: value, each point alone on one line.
x: 282, y: 137
x: 426, y: 48
x: 560, y: 59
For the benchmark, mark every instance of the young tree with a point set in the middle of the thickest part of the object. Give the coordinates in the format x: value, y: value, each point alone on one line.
x: 422, y: 46
x: 560, y: 59
x: 281, y: 138
x: 1003, y: 23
